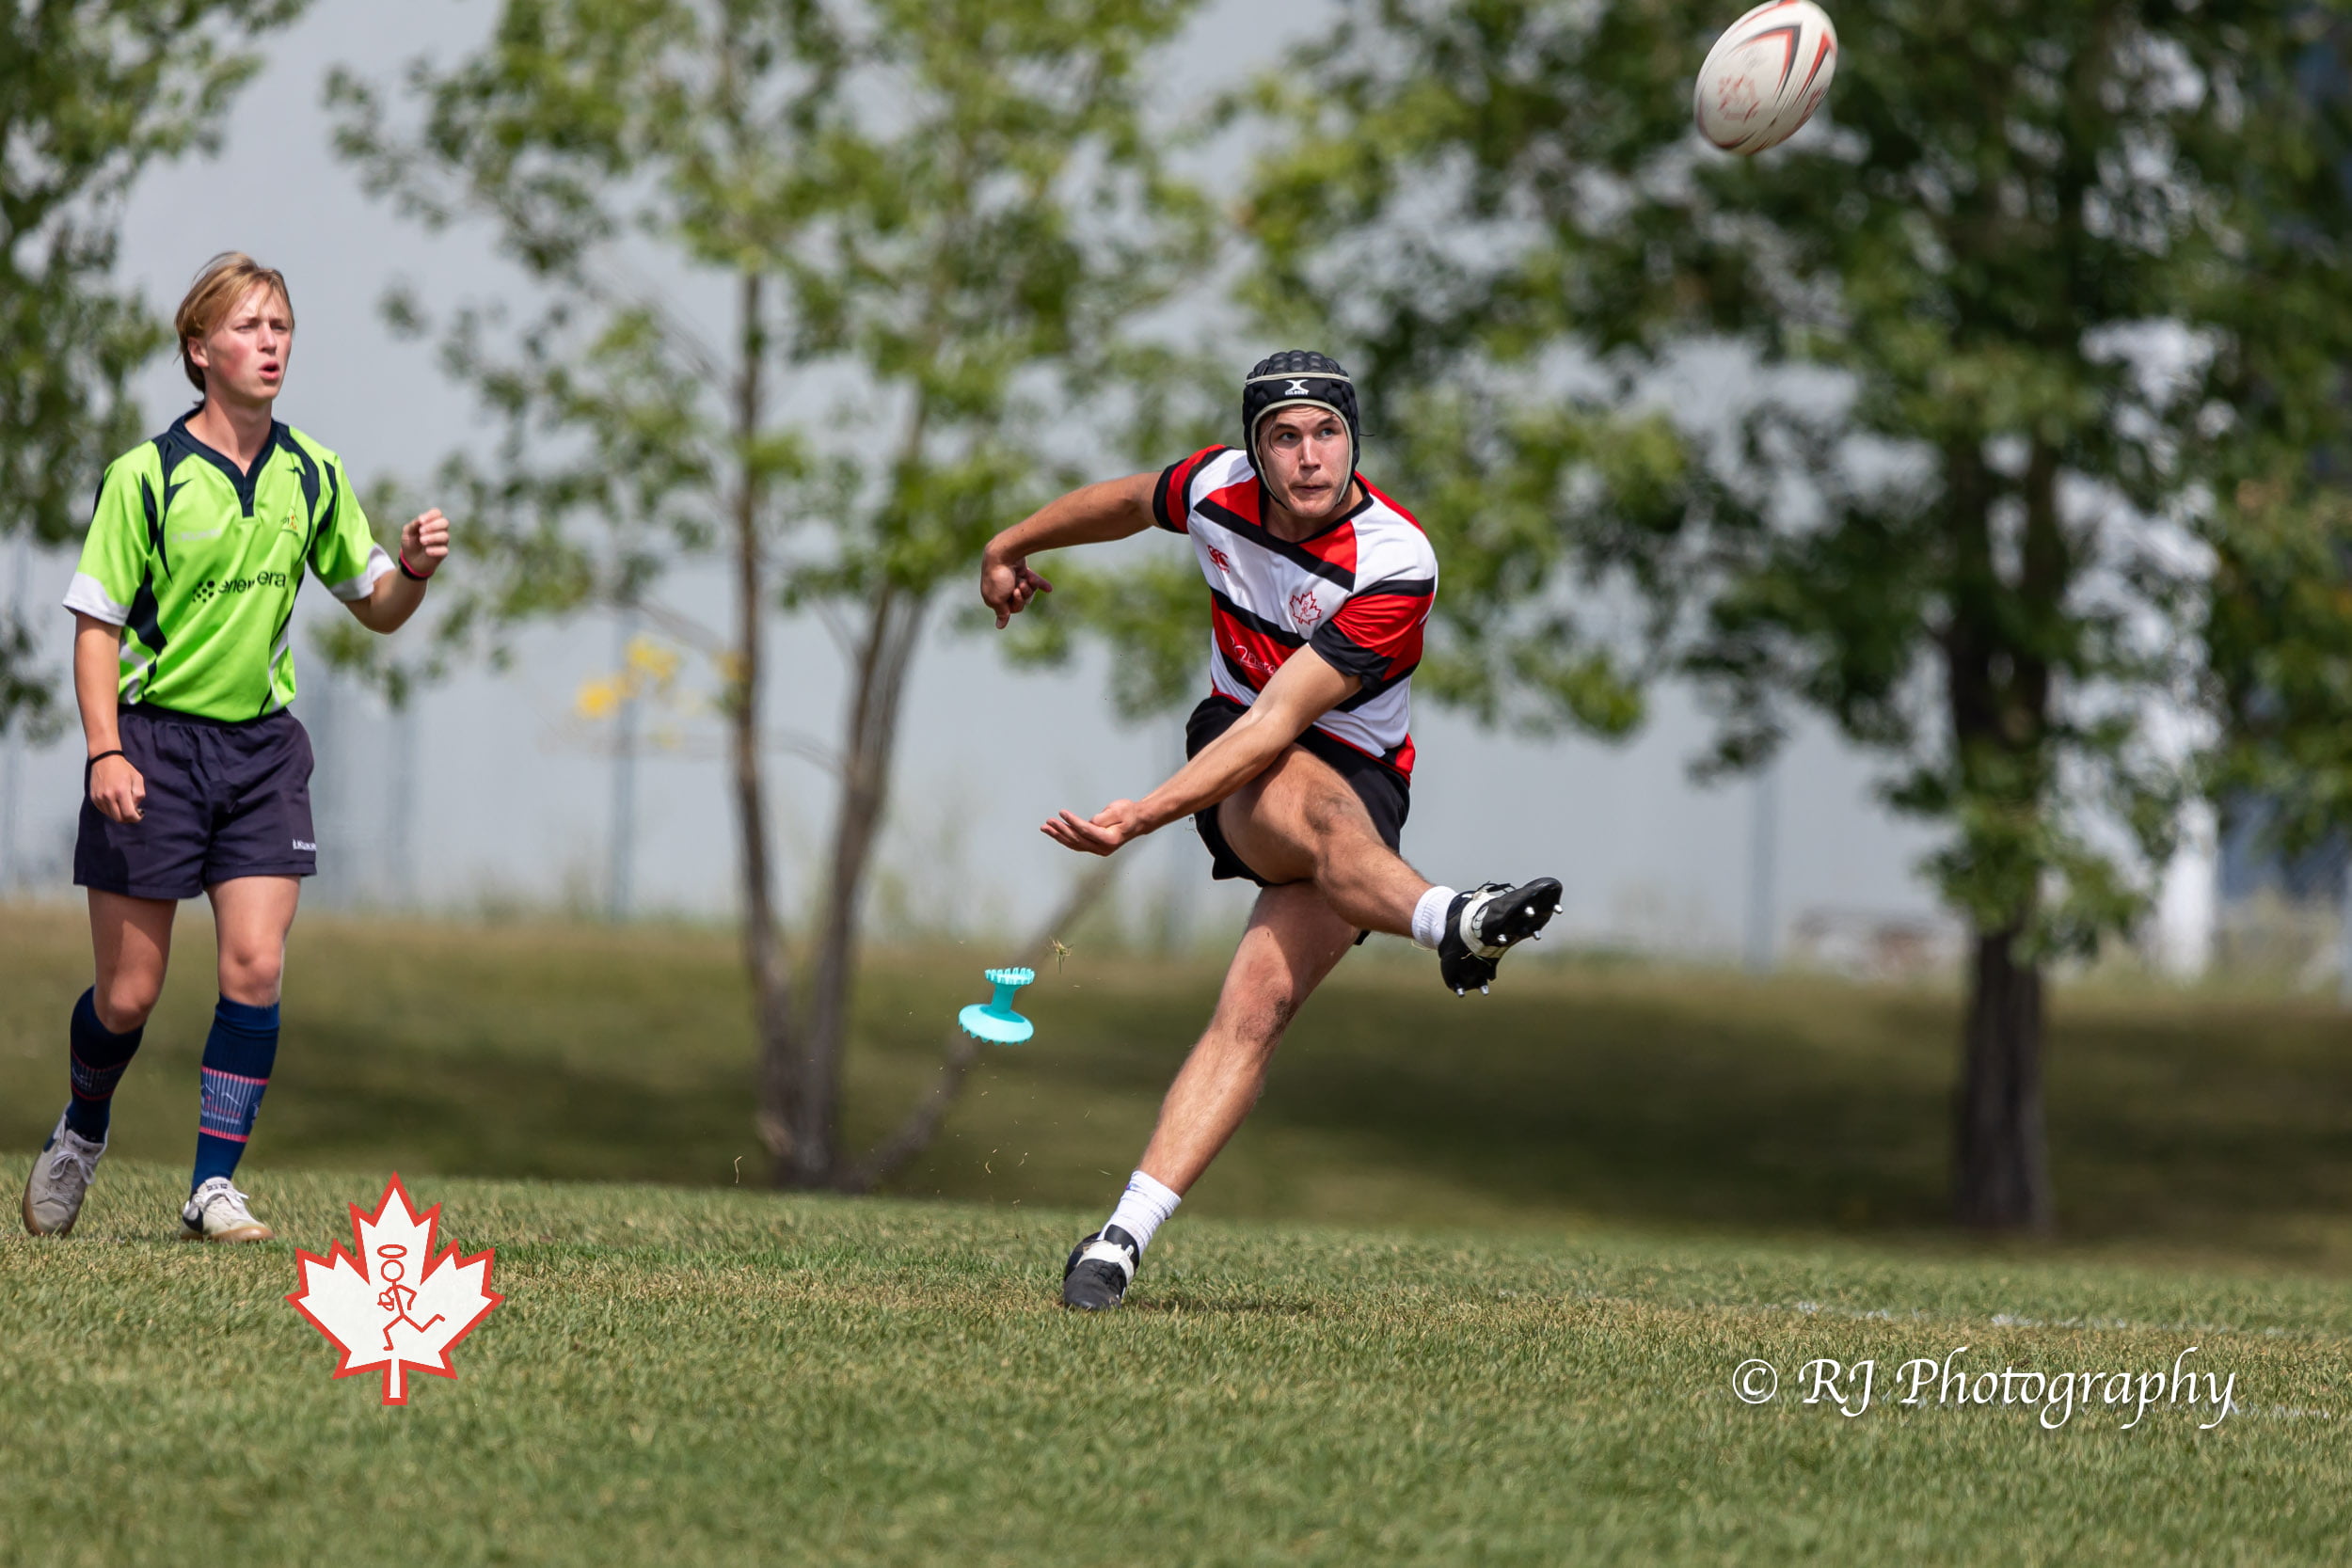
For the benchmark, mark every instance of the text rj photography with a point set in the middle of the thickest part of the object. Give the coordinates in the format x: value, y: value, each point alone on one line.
x: 1852, y: 1388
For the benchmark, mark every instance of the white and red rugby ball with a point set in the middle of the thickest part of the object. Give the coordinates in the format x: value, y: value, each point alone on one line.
x: 1765, y: 75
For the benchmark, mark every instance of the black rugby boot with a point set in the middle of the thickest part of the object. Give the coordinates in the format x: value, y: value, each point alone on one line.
x: 1485, y: 923
x: 1099, y: 1270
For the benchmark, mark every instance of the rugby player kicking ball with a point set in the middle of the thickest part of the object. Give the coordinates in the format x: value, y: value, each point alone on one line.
x: 1301, y: 757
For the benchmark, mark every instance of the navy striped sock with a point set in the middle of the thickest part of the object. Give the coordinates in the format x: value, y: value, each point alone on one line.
x: 96, y: 1058
x: 238, y: 1055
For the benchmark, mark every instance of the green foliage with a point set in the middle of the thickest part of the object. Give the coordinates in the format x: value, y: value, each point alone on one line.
x: 1988, y: 342
x: 92, y: 93
x: 1486, y: 479
x: 951, y: 208
x: 575, y: 126
x: 2279, y: 629
x: 932, y: 225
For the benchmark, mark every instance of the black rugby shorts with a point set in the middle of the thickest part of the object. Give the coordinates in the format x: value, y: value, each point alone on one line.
x: 1381, y: 789
x: 224, y: 800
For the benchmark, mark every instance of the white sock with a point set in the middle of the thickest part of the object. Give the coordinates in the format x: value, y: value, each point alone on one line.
x: 1143, y: 1208
x: 1429, y: 916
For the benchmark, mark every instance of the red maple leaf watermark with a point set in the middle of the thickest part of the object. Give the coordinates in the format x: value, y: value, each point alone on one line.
x: 393, y: 1305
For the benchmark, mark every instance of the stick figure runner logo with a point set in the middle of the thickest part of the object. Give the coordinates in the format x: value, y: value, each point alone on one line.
x: 375, y: 1313
x: 397, y: 1298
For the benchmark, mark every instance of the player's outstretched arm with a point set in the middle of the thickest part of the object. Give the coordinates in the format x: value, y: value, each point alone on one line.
x: 423, y: 545
x: 1114, y: 508
x: 1302, y: 690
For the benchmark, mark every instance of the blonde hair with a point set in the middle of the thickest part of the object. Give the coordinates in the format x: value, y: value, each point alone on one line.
x: 224, y: 280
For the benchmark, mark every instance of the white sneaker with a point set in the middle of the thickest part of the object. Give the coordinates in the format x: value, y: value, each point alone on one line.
x: 60, y: 1179
x: 216, y: 1213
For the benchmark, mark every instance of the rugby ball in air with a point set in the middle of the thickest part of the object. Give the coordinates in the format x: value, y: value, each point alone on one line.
x: 1765, y: 75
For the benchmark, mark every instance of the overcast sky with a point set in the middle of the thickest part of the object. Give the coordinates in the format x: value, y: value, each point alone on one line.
x: 512, y: 799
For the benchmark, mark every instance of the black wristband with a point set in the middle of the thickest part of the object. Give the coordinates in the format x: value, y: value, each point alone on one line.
x: 410, y: 572
x: 101, y: 756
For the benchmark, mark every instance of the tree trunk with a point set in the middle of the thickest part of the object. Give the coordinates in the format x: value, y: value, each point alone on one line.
x: 764, y: 962
x: 894, y: 629
x: 1999, y: 686
x: 2002, y: 1175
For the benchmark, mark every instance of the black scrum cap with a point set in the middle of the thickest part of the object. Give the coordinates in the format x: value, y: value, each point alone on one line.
x: 1290, y: 378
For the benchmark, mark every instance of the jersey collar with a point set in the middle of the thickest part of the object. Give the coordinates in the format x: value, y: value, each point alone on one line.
x: 242, y: 481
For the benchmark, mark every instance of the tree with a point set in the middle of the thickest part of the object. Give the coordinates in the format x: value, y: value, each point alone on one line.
x: 92, y: 93
x: 2279, y: 621
x: 935, y: 220
x: 2028, y: 330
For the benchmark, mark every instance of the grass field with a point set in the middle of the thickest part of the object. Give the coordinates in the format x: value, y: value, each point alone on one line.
x: 2183, y: 1127
x: 1471, y: 1288
x: 721, y: 1377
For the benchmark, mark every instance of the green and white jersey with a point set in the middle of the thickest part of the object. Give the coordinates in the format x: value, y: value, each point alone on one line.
x: 199, y: 565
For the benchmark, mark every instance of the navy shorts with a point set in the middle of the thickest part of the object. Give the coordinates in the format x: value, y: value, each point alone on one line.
x: 223, y: 800
x: 1380, y: 787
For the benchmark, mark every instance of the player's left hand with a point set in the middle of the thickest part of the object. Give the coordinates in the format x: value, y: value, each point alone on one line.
x: 1113, y: 825
x: 424, y: 543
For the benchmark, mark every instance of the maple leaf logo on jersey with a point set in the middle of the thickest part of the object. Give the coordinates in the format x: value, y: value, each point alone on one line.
x: 394, y: 1306
x: 1304, y: 610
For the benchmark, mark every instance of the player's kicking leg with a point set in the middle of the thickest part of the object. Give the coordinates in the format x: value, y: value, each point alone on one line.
x: 1301, y: 821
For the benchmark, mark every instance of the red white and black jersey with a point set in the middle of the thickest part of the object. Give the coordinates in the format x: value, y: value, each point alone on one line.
x: 1360, y: 592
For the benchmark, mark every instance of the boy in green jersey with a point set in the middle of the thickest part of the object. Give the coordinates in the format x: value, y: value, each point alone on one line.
x: 199, y: 774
